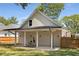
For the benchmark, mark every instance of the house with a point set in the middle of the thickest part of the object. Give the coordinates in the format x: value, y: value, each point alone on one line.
x: 77, y: 35
x: 38, y: 31
x: 7, y: 33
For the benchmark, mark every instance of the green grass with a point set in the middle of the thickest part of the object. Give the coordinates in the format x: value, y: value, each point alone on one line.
x: 12, y: 51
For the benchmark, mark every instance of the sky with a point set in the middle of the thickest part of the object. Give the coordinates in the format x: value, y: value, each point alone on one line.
x: 70, y: 9
x: 8, y: 10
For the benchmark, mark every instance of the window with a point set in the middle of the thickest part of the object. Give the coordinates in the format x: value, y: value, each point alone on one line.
x: 30, y: 22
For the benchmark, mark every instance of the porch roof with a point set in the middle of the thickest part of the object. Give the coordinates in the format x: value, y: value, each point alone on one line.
x: 39, y: 27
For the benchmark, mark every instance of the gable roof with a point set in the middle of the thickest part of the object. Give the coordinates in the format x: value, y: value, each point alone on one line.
x: 24, y: 22
x: 35, y: 11
x: 52, y: 20
x: 15, y: 26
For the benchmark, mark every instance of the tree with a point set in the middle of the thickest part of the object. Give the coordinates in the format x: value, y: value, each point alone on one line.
x: 50, y: 9
x: 72, y: 23
x: 8, y: 21
x: 13, y: 20
x: 2, y: 20
x: 23, y: 5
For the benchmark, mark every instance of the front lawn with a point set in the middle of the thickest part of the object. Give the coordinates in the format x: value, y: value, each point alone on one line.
x: 12, y: 51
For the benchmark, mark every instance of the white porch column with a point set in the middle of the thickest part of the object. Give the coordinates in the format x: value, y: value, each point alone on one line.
x: 51, y: 40
x: 24, y: 38
x: 36, y: 39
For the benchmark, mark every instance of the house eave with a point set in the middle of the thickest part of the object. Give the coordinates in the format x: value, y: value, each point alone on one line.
x: 32, y: 28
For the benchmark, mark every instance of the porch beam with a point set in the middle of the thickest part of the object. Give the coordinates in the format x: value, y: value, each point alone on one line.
x: 24, y: 38
x: 33, y: 30
x: 36, y: 39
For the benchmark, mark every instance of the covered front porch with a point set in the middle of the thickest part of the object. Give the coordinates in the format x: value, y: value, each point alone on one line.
x: 45, y: 38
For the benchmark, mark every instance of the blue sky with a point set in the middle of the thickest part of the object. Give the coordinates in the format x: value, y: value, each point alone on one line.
x: 70, y: 9
x: 8, y: 10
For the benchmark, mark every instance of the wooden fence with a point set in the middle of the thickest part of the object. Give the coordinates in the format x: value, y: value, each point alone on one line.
x: 7, y: 40
x: 68, y: 42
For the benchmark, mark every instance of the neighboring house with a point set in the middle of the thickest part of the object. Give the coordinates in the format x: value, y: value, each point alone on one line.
x: 66, y: 33
x: 77, y: 35
x: 39, y: 31
x: 7, y: 37
x: 7, y: 33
